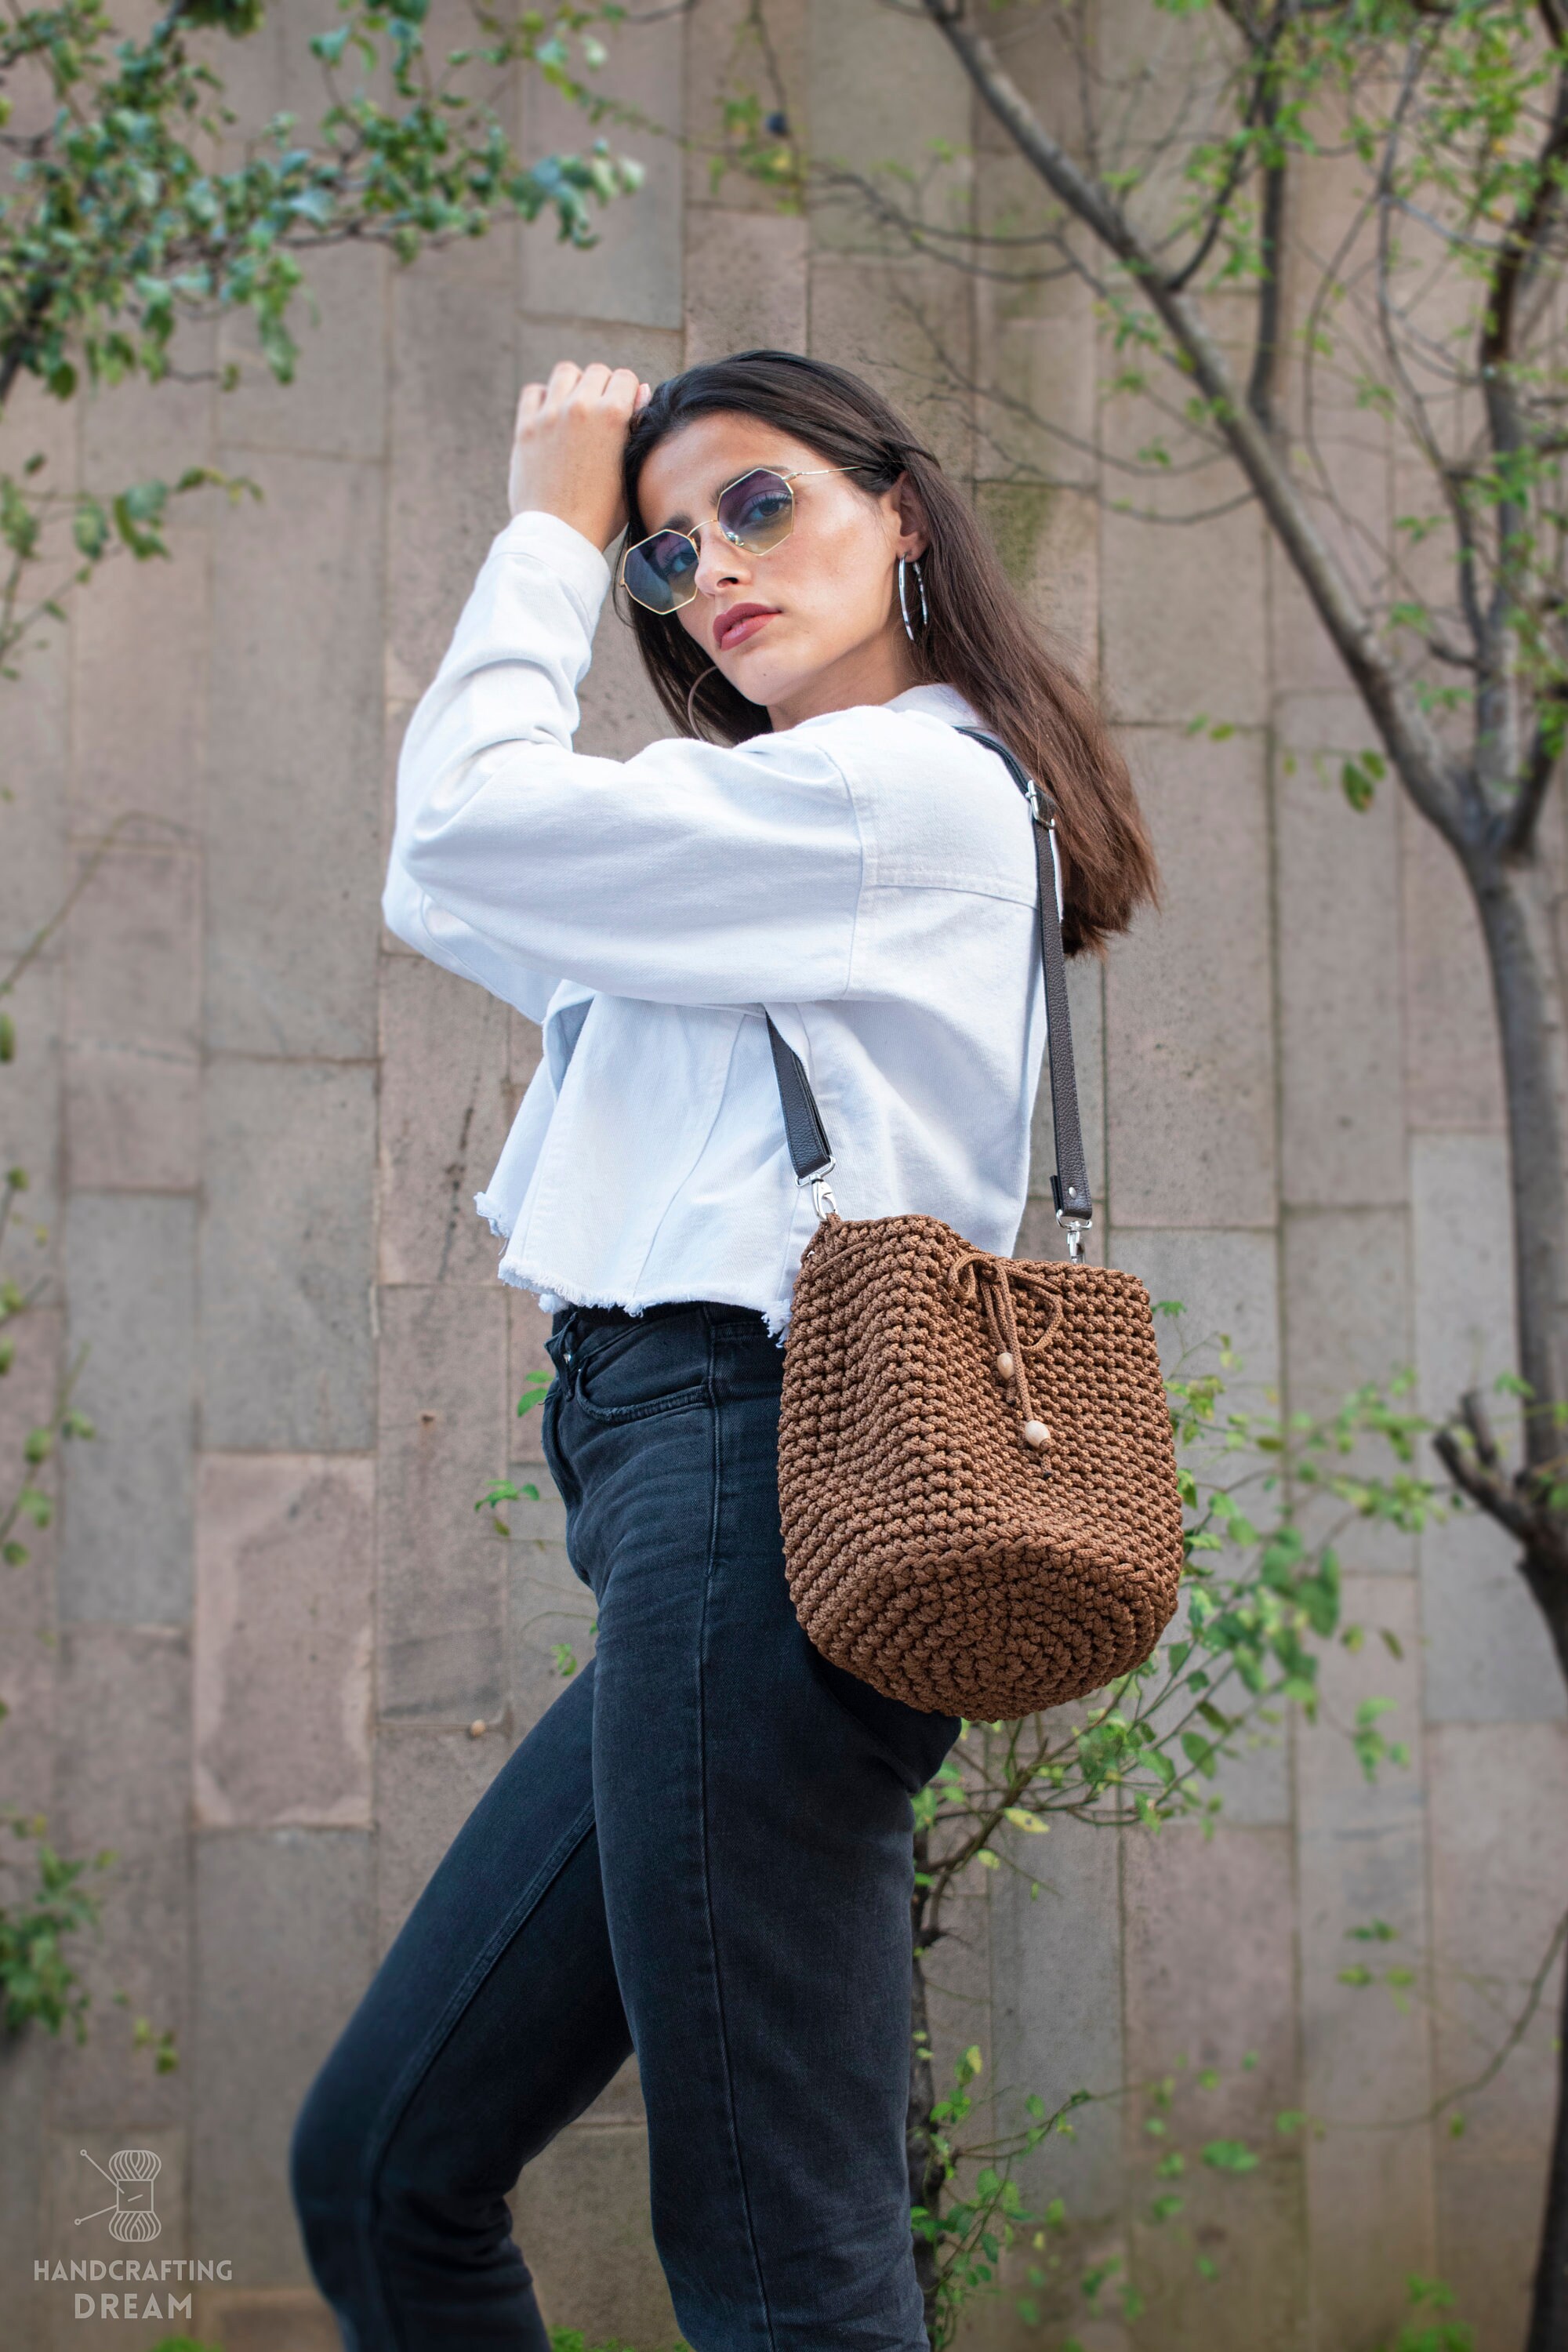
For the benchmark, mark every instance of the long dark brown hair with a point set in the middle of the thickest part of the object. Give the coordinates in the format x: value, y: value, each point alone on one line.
x: 980, y: 638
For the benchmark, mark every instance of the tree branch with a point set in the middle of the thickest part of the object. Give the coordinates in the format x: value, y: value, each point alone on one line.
x: 1261, y: 106
x: 1266, y: 350
x: 1412, y: 745
x: 1518, y: 256
x: 1521, y: 243
x: 1519, y: 827
x: 1470, y: 1454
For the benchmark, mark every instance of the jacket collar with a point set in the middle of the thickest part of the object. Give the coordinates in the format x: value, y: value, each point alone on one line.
x: 940, y: 701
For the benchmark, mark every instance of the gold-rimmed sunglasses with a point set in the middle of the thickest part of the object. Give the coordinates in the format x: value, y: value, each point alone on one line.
x: 754, y: 512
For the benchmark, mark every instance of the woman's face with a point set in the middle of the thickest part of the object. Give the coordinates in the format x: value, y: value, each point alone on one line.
x: 813, y: 624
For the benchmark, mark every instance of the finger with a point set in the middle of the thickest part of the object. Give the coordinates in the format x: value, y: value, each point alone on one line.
x: 645, y: 394
x: 590, y: 385
x: 565, y: 377
x: 529, y: 401
x: 619, y: 391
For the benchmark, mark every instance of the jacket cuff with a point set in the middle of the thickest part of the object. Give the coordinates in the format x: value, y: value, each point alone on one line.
x: 575, y: 561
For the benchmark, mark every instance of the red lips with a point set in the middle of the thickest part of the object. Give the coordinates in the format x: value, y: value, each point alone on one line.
x: 732, y: 627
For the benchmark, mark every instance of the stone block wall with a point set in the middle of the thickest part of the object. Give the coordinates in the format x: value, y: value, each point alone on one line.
x: 271, y: 1655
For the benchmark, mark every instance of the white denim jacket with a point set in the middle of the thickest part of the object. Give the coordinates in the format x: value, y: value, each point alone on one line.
x: 868, y: 876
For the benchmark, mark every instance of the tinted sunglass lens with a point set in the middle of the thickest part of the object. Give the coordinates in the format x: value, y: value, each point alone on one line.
x: 756, y: 512
x: 662, y: 572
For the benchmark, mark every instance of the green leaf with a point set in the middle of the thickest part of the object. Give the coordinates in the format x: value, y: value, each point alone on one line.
x: 501, y: 1491
x: 1358, y: 782
x: 138, y: 515
x: 89, y: 528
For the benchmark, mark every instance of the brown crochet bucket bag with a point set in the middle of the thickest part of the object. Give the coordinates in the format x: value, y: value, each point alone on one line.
x: 977, y: 1483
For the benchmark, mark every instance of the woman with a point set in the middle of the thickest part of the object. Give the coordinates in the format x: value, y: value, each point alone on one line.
x: 702, y: 1851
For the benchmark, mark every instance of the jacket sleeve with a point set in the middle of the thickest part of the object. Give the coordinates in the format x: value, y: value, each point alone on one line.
x: 691, y: 873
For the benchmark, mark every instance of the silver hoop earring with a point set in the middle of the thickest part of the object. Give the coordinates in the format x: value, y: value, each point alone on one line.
x: 701, y: 678
x: 905, y: 566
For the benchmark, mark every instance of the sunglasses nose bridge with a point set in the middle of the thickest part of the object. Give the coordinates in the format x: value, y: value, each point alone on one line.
x: 698, y: 531
x: 714, y: 555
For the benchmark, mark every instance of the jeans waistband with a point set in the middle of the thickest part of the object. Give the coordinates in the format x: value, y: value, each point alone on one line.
x: 588, y: 1318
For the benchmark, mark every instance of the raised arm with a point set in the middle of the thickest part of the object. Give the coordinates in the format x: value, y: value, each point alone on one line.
x: 693, y: 872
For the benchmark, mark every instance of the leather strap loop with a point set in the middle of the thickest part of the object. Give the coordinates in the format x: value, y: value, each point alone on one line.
x: 809, y: 1150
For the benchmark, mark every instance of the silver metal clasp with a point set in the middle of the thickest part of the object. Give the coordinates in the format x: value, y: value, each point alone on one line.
x: 1074, y: 1229
x: 1032, y: 794
x: 822, y: 1199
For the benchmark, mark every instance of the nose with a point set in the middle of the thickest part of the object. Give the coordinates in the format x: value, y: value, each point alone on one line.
x: 719, y: 563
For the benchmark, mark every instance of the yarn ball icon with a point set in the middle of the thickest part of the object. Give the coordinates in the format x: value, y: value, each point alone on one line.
x: 132, y: 2172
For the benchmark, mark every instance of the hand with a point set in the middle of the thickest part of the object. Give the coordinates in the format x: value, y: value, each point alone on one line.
x: 566, y: 449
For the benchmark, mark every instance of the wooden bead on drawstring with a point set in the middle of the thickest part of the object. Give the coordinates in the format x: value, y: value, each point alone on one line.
x: 1036, y: 1433
x: 1005, y: 1365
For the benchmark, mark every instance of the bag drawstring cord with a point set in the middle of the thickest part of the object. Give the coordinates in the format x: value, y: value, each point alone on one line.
x: 976, y: 1274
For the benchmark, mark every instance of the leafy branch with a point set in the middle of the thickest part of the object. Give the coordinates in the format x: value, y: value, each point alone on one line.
x: 137, y: 201
x: 38, y: 1982
x: 1269, y: 1500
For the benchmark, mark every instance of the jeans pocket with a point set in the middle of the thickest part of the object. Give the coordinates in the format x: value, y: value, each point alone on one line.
x: 556, y: 1462
x: 550, y: 1441
x: 629, y: 1374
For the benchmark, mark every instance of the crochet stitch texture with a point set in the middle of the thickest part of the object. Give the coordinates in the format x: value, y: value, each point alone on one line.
x: 931, y: 1548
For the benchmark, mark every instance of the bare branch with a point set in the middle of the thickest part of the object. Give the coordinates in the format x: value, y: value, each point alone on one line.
x: 1522, y: 1501
x: 1261, y: 107
x: 1266, y: 353
x: 1523, y: 239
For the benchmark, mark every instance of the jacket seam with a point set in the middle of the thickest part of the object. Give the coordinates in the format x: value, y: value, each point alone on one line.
x: 960, y: 890
x: 861, y: 885
x: 542, y: 563
x: 695, y: 1159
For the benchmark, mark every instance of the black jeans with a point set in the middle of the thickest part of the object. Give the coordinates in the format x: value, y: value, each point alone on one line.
x: 702, y: 1852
